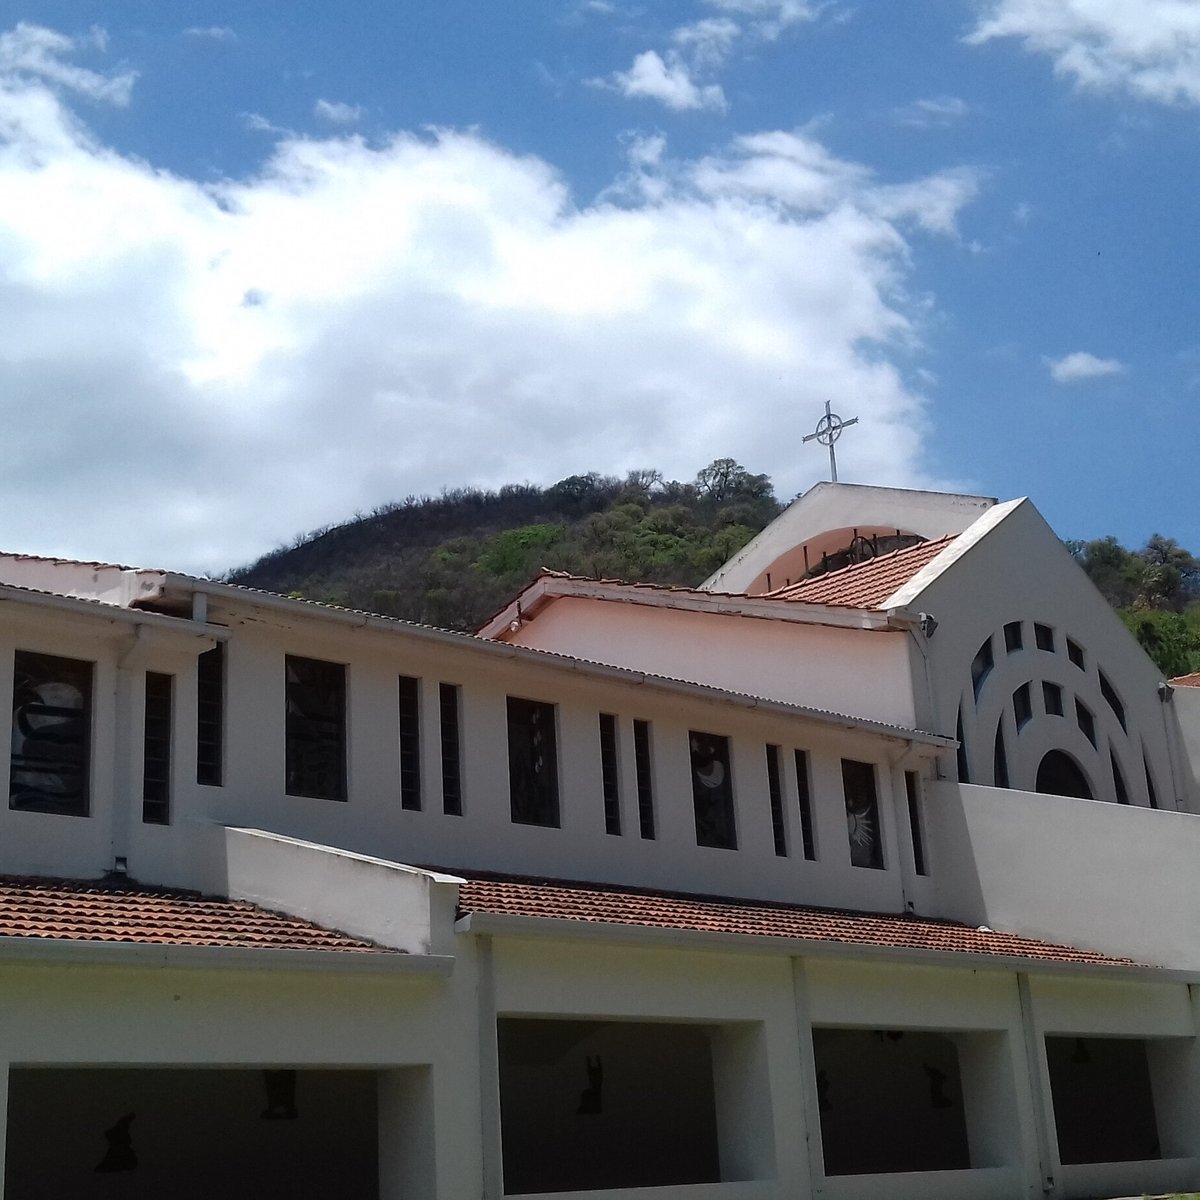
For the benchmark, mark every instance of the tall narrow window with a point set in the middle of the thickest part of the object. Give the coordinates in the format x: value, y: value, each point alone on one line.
x: 532, y: 763
x: 1022, y: 707
x: 712, y: 791
x: 410, y: 743
x: 862, y: 814
x: 1012, y: 637
x: 1043, y: 635
x: 1052, y: 697
x: 1000, y: 758
x: 610, y: 779
x: 981, y: 666
x: 315, y: 728
x: 1075, y: 653
x: 1112, y: 699
x: 644, y: 768
x: 1151, y: 794
x: 1118, y: 779
x: 775, y: 789
x: 804, y: 801
x: 449, y: 707
x: 156, y: 750
x: 51, y: 734
x: 210, y: 715
x: 1087, y: 722
x: 913, y: 792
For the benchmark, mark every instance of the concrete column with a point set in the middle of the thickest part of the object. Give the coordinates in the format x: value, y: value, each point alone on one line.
x: 1036, y: 1100
x: 808, y: 1085
x: 489, y: 1075
x: 407, y: 1164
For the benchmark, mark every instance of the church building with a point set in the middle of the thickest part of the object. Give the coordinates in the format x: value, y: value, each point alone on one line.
x: 867, y: 868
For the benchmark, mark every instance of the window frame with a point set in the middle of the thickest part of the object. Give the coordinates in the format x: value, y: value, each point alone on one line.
x: 533, y: 785
x: 873, y: 811
x: 710, y: 759
x: 80, y: 674
x: 450, y: 747
x: 211, y: 677
x: 157, y: 747
x: 643, y: 762
x: 302, y: 753
x: 408, y: 715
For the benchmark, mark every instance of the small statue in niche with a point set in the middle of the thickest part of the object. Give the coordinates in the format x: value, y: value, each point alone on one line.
x: 591, y: 1100
x: 937, y: 1087
x: 281, y: 1096
x: 120, y: 1155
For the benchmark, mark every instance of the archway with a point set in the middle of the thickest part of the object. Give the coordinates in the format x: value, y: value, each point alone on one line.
x: 1058, y: 774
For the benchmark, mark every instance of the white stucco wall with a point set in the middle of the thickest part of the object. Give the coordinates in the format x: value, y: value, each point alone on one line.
x: 371, y: 821
x: 855, y: 671
x: 1108, y: 877
x: 1020, y: 571
x: 157, y: 1016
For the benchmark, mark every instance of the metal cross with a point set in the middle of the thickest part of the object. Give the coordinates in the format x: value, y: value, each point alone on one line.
x: 829, y: 429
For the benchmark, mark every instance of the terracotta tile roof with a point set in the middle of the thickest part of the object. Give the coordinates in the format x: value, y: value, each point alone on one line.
x: 866, y: 584
x: 598, y: 903
x: 1192, y: 680
x: 97, y: 911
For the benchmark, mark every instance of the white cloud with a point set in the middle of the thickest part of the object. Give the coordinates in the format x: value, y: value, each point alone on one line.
x: 32, y: 52
x: 669, y: 80
x: 257, y: 123
x: 337, y: 112
x: 936, y: 111
x: 707, y: 42
x: 1072, y: 368
x: 1149, y: 48
x: 934, y: 202
x: 191, y: 373
x: 700, y: 48
x: 210, y: 33
x: 769, y: 18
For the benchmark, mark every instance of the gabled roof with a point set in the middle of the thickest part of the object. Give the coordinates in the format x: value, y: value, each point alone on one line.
x: 99, y: 911
x: 549, y: 586
x: 590, y: 903
x: 866, y: 584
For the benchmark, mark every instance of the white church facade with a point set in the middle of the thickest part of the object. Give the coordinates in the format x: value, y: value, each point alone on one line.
x: 865, y: 869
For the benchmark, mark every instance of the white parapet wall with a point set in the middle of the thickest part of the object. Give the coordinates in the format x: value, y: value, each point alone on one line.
x: 1110, y: 877
x: 395, y: 905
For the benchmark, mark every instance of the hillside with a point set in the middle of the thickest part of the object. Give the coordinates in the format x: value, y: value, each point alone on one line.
x: 454, y: 559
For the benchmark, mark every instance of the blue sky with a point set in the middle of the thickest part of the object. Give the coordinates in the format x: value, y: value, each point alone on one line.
x: 263, y: 266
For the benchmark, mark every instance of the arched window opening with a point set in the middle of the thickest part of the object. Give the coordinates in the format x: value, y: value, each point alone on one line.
x: 1058, y: 774
x: 1118, y: 780
x: 1150, y: 792
x: 1000, y: 758
x: 1022, y: 707
x: 1086, y: 721
x: 981, y: 666
x: 1075, y: 654
x: 1112, y: 699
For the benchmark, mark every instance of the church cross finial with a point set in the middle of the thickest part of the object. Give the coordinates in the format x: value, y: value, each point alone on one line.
x: 829, y: 429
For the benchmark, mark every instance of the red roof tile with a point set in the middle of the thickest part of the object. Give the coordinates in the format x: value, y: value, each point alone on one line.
x: 1192, y: 680
x: 596, y: 903
x: 866, y: 584
x: 97, y: 911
